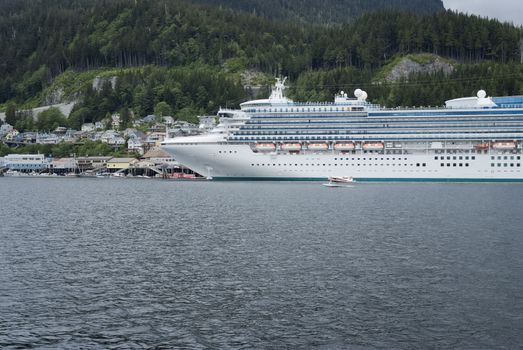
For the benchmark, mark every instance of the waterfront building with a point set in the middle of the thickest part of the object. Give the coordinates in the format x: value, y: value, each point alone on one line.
x: 63, y: 165
x: 115, y: 164
x: 92, y: 163
x: 26, y: 162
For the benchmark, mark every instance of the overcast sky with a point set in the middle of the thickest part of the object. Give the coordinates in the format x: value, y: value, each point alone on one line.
x: 504, y: 10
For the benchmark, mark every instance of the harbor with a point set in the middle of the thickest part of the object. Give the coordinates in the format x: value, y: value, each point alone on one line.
x: 154, y: 164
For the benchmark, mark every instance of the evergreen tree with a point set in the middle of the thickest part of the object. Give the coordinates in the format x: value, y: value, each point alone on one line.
x: 10, y: 113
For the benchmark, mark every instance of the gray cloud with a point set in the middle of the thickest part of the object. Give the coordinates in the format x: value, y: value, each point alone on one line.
x: 504, y: 10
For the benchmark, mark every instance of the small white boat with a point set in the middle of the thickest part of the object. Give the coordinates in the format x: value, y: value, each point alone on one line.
x: 341, y: 179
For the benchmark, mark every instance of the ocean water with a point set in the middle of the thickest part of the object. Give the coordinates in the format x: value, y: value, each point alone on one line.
x: 130, y: 263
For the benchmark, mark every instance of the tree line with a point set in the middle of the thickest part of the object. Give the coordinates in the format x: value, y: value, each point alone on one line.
x: 41, y: 39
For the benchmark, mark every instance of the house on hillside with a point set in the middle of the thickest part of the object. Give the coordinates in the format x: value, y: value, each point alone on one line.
x: 154, y: 139
x: 115, y: 121
x: 47, y: 139
x: 88, y: 127
x: 157, y: 127
x: 135, y: 145
x: 168, y: 120
x: 5, y: 128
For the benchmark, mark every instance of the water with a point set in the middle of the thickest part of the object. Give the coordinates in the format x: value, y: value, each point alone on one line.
x: 120, y: 263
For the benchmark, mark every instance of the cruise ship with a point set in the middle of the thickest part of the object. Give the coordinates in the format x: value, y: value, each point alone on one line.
x: 476, y: 138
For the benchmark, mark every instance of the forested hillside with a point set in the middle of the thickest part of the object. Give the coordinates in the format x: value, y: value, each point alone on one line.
x: 191, y: 56
x: 325, y: 12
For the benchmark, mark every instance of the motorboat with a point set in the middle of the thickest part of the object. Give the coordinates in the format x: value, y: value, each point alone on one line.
x: 341, y: 179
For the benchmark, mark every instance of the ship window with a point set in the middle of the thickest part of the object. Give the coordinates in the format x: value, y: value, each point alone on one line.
x: 448, y: 157
x: 460, y: 157
x: 473, y: 157
x: 499, y: 164
x: 505, y: 157
x: 454, y: 158
x: 424, y: 164
x: 499, y: 157
x: 492, y: 164
x: 460, y: 164
x: 466, y: 164
x: 504, y: 164
x: 417, y: 164
x: 453, y: 164
x: 436, y: 158
x: 511, y: 157
x: 492, y: 157
x: 448, y: 164
x: 512, y: 164
x: 517, y: 164
x: 518, y: 157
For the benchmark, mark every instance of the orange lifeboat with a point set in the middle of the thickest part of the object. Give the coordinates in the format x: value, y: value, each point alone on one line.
x: 373, y: 146
x: 504, y: 145
x: 291, y: 147
x: 265, y: 146
x: 484, y: 145
x: 318, y: 146
x: 344, y: 146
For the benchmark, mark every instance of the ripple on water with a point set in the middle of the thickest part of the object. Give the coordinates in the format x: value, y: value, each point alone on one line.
x: 89, y: 263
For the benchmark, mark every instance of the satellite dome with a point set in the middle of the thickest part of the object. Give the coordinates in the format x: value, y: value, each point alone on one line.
x: 342, y: 92
x: 364, y: 95
x: 482, y: 94
x: 358, y: 92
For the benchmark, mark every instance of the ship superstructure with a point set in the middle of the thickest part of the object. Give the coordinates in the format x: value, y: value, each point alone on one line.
x: 473, y: 138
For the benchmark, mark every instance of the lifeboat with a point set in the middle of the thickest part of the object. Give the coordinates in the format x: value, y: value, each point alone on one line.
x: 318, y: 146
x: 344, y: 146
x: 484, y: 145
x: 291, y: 147
x: 265, y: 146
x: 504, y: 145
x: 373, y: 146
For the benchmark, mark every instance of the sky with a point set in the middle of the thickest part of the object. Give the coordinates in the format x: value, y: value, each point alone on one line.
x: 503, y: 10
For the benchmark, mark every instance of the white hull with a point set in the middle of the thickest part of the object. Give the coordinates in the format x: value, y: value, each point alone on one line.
x: 238, y: 161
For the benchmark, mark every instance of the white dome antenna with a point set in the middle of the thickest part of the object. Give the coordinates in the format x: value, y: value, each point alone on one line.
x: 357, y: 93
x: 482, y: 94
